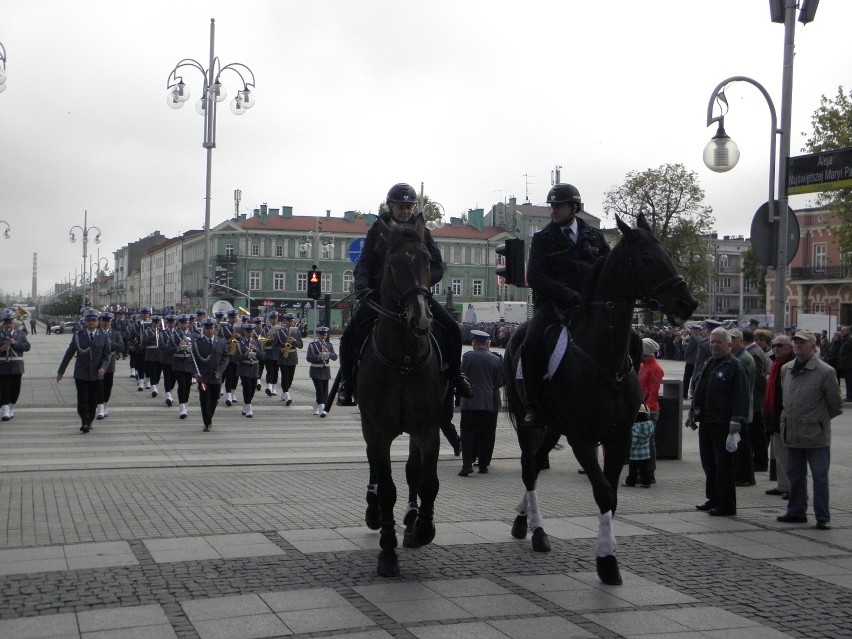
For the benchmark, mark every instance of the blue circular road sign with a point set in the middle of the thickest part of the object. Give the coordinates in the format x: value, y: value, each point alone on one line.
x: 355, y: 249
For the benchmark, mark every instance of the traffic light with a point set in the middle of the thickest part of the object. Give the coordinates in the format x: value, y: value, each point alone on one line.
x: 513, y: 262
x: 315, y: 284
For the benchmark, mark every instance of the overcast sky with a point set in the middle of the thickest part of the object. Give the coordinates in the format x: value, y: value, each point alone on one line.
x: 466, y: 96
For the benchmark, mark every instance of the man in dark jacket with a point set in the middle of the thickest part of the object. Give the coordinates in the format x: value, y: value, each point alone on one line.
x: 401, y: 201
x: 93, y: 351
x: 720, y: 405
x: 844, y: 360
x: 561, y: 259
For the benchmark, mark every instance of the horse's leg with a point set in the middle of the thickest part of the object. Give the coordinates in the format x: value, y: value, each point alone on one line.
x: 423, y: 531
x: 529, y: 517
x: 607, y: 564
x: 412, y: 478
x: 372, y: 517
x: 378, y: 452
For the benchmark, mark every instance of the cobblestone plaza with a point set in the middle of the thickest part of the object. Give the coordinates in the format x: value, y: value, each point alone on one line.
x: 149, y: 527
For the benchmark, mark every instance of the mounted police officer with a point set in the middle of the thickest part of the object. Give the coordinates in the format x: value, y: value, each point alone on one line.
x: 401, y: 202
x: 562, y: 256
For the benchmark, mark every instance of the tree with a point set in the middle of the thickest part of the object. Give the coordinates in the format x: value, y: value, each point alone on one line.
x: 755, y: 273
x: 832, y: 123
x: 671, y: 199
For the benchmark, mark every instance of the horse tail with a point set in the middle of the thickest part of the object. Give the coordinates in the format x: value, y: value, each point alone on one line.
x: 511, y: 358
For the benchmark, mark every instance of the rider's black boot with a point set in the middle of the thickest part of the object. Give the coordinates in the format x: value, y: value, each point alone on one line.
x: 462, y: 385
x: 344, y: 394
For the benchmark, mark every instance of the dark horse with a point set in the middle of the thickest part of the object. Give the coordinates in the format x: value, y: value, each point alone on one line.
x: 402, y: 390
x: 593, y: 394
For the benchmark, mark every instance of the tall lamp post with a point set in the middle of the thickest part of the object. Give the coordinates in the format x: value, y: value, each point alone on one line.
x: 8, y: 232
x: 2, y: 68
x: 213, y: 92
x: 84, y: 230
x: 721, y: 153
x: 94, y: 269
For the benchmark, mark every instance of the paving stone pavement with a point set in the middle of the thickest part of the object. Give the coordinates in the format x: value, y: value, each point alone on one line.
x: 148, y: 527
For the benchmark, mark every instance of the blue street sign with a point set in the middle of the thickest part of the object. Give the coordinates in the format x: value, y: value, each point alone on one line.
x: 355, y: 249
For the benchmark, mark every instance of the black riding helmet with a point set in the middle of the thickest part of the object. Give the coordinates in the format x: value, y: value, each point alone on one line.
x: 564, y: 193
x: 402, y: 192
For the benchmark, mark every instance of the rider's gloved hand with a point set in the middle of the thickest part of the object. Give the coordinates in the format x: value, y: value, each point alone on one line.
x: 570, y: 298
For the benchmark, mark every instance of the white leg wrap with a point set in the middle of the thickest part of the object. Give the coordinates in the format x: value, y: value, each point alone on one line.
x: 533, y: 515
x: 606, y: 536
x: 521, y: 508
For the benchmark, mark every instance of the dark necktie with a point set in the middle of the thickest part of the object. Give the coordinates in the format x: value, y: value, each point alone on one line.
x: 569, y: 234
x: 91, y: 337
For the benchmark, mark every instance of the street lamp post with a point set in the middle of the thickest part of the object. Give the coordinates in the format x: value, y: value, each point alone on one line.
x: 2, y: 68
x: 213, y: 92
x: 8, y: 232
x: 721, y: 154
x: 84, y: 230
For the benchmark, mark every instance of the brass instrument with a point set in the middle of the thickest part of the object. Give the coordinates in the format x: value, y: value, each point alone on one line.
x: 263, y: 341
x: 288, y: 344
x: 21, y: 313
x: 243, y: 312
x: 232, y: 344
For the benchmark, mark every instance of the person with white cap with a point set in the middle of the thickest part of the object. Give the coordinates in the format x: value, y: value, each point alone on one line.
x: 812, y: 399
x: 320, y: 352
x: 479, y: 413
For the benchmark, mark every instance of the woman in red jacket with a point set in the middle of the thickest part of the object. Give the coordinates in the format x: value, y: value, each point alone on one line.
x: 650, y: 378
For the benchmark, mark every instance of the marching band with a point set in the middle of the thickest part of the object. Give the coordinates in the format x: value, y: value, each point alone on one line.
x: 212, y: 354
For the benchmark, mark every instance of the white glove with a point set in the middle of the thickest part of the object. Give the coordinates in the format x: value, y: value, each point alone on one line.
x: 324, y: 357
x: 732, y: 442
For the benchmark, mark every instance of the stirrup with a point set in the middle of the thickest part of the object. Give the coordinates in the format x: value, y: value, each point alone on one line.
x: 344, y: 395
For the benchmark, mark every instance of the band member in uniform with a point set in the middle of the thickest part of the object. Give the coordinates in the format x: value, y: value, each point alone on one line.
x: 13, y: 345
x: 258, y: 330
x: 151, y: 344
x: 93, y: 352
x: 209, y: 356
x: 231, y: 333
x: 136, y: 335
x: 120, y: 325
x: 248, y: 358
x: 270, y: 355
x: 320, y: 351
x: 287, y: 340
x: 197, y: 327
x: 166, y: 355
x: 179, y: 343
x: 116, y: 343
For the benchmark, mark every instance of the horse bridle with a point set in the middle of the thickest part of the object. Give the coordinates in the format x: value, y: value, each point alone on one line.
x: 647, y: 299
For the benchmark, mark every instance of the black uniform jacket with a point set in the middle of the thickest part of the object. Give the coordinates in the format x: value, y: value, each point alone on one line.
x: 556, y: 262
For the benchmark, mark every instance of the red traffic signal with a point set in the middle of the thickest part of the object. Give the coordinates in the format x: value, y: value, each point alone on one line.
x: 315, y: 284
x: 513, y: 262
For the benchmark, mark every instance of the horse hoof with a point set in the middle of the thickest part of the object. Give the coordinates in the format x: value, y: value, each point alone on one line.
x: 388, y: 565
x: 540, y: 542
x: 420, y: 534
x: 519, y: 528
x: 608, y: 571
x: 410, y: 518
x: 372, y: 517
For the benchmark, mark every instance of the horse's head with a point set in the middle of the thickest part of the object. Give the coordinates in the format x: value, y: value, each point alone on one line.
x: 655, y: 280
x: 406, y: 277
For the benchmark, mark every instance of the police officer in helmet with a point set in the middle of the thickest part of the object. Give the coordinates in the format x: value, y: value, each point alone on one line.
x: 401, y: 202
x: 562, y: 256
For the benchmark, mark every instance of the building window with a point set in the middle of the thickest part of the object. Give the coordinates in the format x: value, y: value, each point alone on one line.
x: 255, y: 250
x: 229, y: 250
x: 279, y: 250
x: 820, y: 257
x: 326, y: 283
x: 254, y: 280
x: 724, y: 282
x: 436, y: 289
x: 302, y: 283
x: 476, y: 287
x: 278, y: 281
x: 327, y: 252
x: 457, y: 286
x: 348, y: 278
